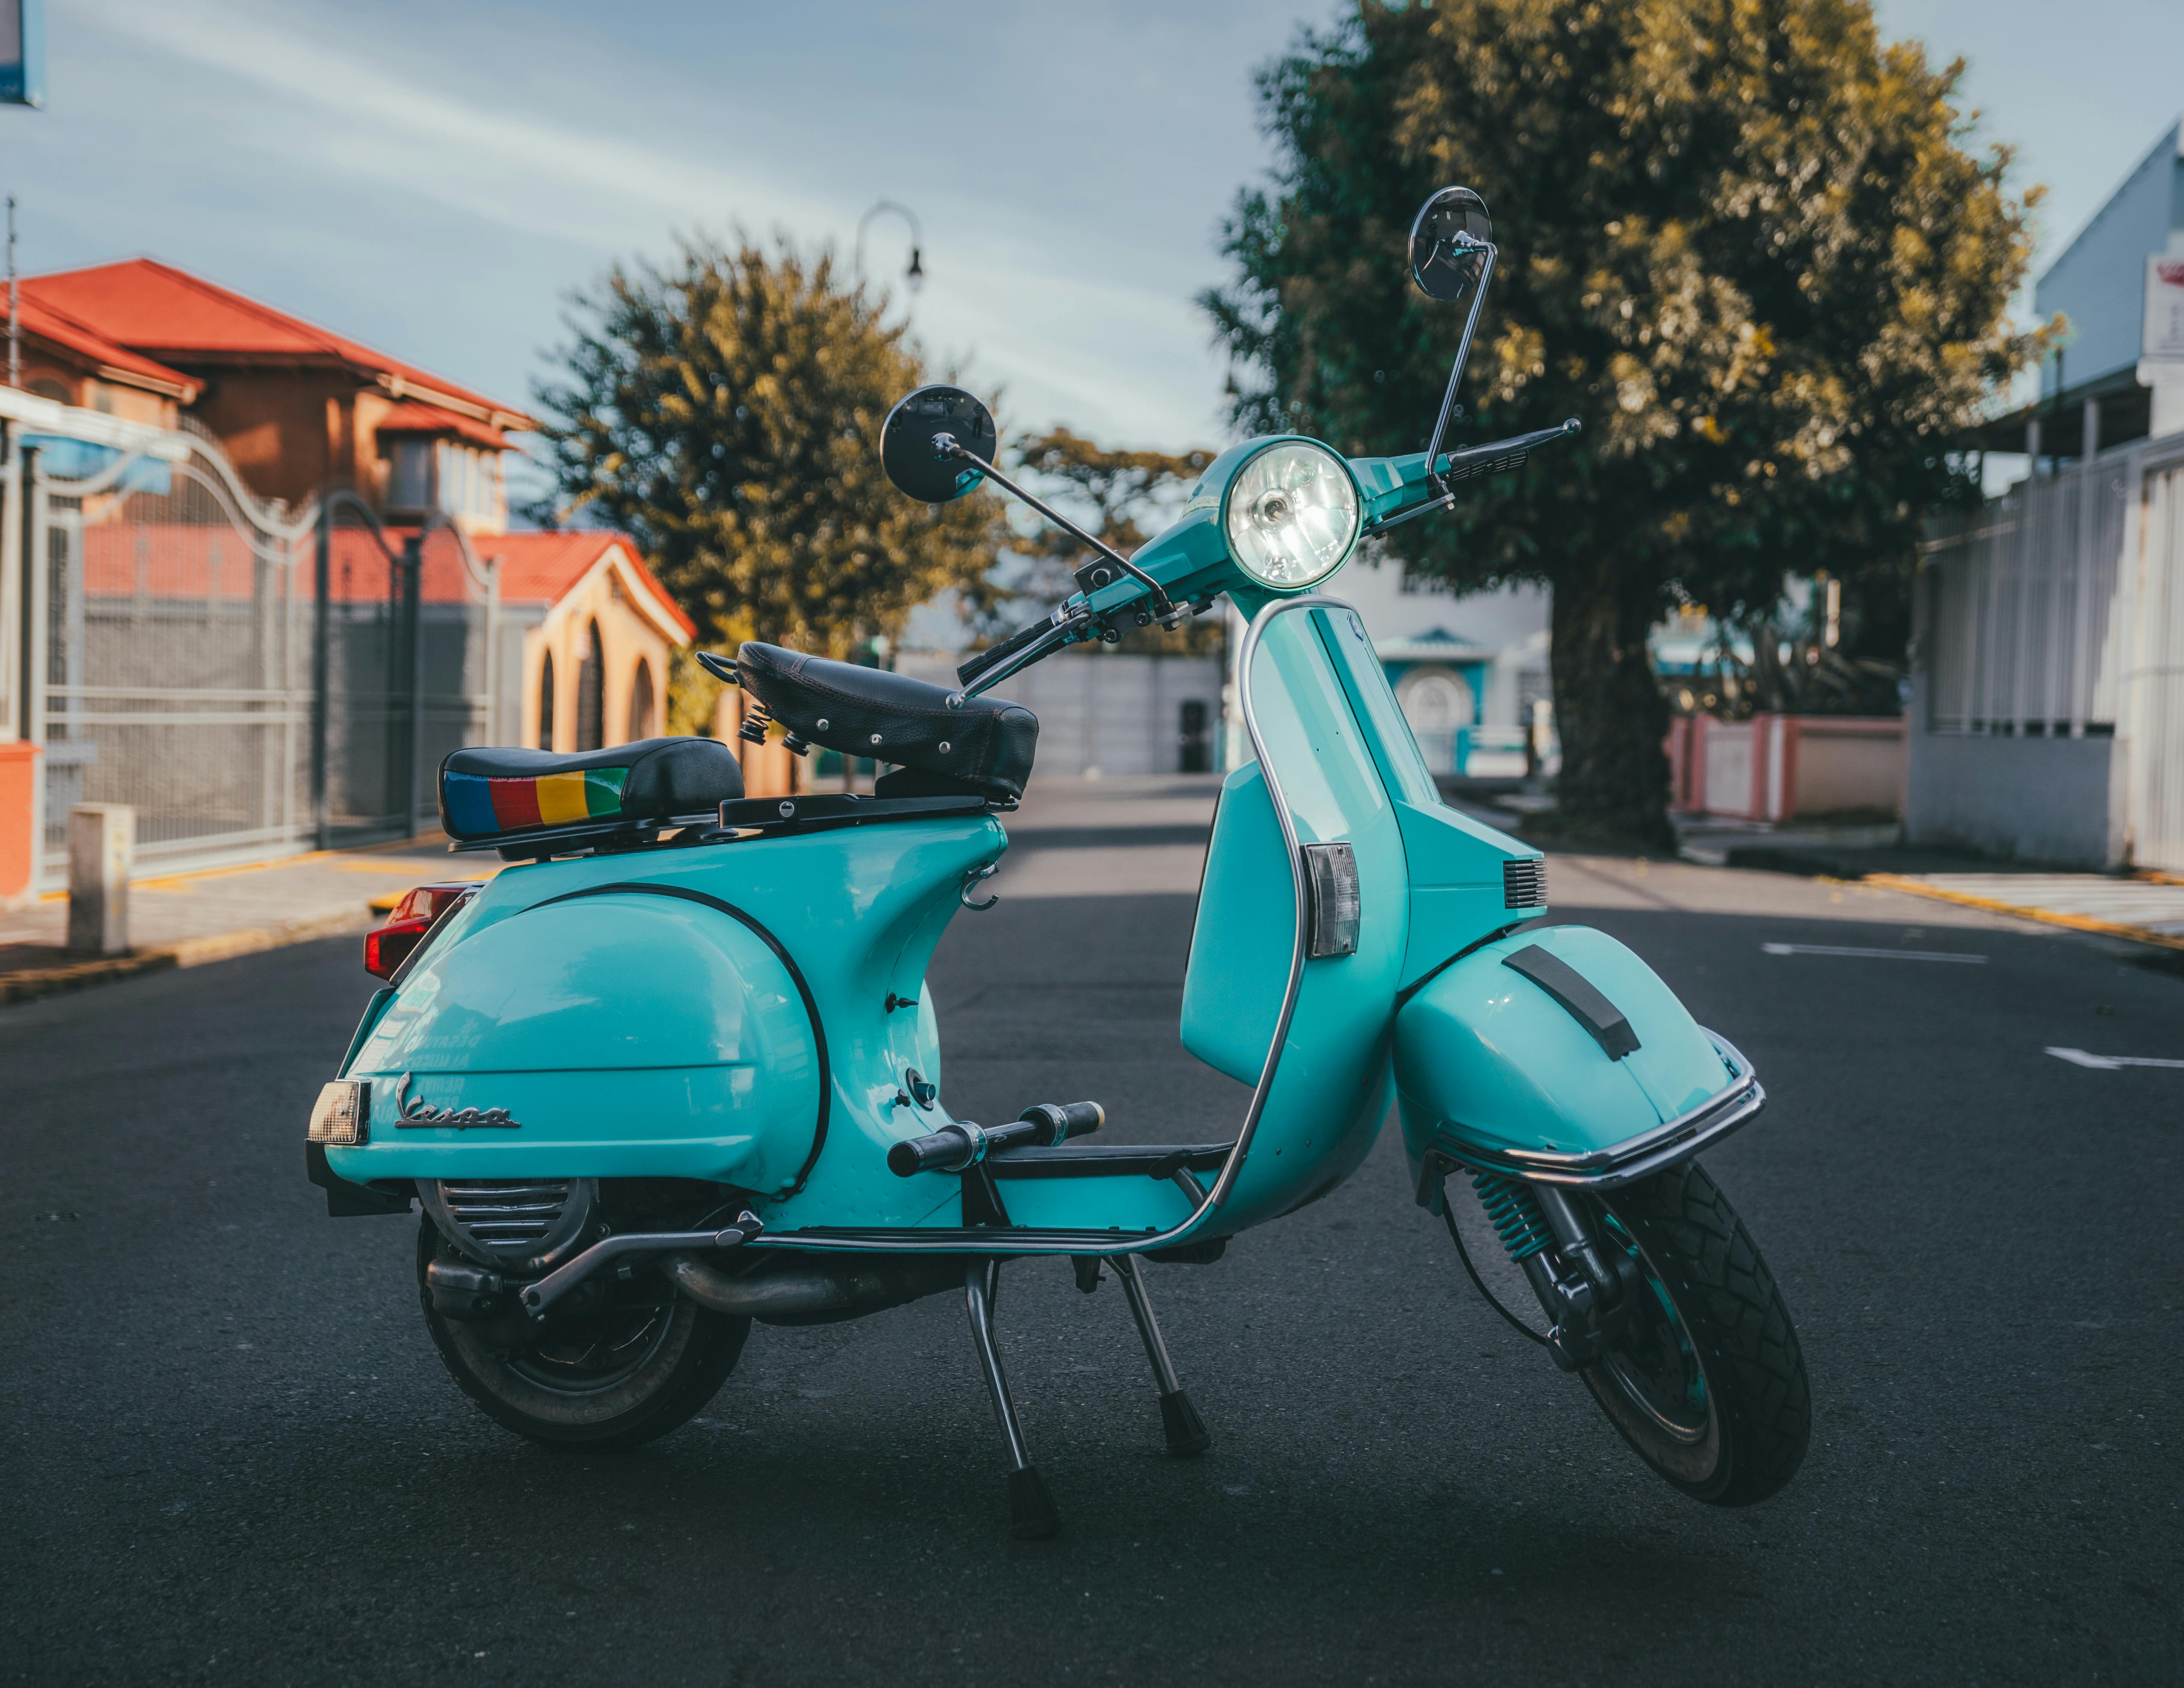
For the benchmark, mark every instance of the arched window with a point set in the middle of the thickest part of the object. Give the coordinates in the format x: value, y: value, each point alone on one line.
x: 592, y: 694
x: 640, y: 702
x: 546, y: 703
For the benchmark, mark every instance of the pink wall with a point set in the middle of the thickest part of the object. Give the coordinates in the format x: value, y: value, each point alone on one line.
x: 1777, y: 767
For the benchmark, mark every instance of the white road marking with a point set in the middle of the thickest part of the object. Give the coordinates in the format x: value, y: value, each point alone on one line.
x: 1875, y: 955
x: 2110, y: 1063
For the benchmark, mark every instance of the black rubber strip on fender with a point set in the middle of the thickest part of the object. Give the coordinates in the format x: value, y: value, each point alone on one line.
x: 1578, y: 994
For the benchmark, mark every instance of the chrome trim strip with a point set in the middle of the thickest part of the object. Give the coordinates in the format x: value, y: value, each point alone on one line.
x: 1737, y: 1103
x: 1074, y: 1243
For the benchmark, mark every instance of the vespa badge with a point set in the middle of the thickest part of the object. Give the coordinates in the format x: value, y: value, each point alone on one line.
x: 413, y: 1112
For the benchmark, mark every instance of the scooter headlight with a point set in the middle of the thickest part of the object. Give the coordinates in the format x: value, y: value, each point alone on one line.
x: 1292, y: 514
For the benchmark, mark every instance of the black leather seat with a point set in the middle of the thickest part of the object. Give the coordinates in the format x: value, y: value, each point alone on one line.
x: 488, y: 793
x: 942, y: 742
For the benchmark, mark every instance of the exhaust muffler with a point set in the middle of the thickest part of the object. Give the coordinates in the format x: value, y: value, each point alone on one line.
x: 814, y: 1292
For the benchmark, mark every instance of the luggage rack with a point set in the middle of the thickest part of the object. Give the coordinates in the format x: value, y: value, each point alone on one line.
x: 578, y: 838
x: 767, y: 817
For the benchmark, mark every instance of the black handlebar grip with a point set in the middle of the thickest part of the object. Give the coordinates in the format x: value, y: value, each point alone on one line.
x: 1064, y: 1119
x: 922, y: 1154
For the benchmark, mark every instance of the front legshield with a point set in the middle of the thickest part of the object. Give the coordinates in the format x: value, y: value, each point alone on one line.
x: 1559, y: 1056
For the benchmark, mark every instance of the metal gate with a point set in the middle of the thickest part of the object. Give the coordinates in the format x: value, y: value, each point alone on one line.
x: 253, y: 683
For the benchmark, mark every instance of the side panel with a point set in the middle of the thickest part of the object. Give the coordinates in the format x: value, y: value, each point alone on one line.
x: 636, y: 1032
x: 627, y: 1034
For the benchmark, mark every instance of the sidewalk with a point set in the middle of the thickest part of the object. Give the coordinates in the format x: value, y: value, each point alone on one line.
x: 188, y: 919
x: 2145, y: 909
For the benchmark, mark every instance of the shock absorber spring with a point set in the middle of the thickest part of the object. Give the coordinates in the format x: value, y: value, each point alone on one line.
x: 1514, y: 1213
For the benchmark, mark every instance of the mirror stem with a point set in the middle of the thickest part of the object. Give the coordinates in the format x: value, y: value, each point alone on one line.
x: 944, y: 446
x: 1448, y: 398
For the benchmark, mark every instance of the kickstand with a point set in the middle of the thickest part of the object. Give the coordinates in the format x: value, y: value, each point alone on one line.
x: 1186, y: 1431
x: 1032, y: 1515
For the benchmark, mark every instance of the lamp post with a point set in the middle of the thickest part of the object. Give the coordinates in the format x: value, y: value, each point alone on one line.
x: 916, y: 273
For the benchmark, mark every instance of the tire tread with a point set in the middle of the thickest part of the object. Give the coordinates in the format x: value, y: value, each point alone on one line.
x: 1736, y: 1310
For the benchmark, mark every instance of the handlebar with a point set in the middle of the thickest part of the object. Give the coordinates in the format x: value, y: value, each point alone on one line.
x: 955, y: 1148
x: 1496, y: 457
x: 1499, y: 456
x: 1022, y: 640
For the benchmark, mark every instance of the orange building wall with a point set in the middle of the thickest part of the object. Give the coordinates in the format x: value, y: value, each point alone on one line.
x: 87, y: 391
x: 288, y: 432
x: 19, y: 814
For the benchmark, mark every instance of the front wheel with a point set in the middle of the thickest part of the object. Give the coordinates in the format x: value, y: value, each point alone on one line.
x: 1702, y: 1375
x: 629, y: 1362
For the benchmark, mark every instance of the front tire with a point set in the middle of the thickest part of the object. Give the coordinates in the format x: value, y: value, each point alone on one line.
x: 1704, y: 1377
x: 632, y: 1363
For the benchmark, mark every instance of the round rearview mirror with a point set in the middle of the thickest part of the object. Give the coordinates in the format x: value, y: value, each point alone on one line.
x: 906, y: 443
x: 1448, y: 243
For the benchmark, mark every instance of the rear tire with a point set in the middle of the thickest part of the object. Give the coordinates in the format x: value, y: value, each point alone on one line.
x: 634, y: 1365
x: 1704, y: 1379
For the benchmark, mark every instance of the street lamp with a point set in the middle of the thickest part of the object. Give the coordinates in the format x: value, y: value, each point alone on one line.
x: 915, y: 274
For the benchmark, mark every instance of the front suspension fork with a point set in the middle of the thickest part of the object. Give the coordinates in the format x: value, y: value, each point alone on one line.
x: 1583, y: 1286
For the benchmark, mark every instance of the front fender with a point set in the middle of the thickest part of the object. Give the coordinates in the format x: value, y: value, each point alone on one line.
x: 1496, y: 1072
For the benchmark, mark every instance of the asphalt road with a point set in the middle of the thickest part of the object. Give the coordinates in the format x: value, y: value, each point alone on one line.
x: 232, y: 1455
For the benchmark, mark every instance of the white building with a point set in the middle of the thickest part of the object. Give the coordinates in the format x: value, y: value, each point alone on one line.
x: 1470, y: 672
x: 2046, y: 717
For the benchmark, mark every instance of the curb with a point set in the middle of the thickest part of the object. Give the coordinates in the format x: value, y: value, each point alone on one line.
x: 2076, y: 923
x: 35, y: 982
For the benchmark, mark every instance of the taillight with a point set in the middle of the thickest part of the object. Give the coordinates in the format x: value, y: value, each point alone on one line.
x: 411, y: 922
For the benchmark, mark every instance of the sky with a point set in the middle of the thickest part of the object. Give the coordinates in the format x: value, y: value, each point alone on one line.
x: 434, y: 179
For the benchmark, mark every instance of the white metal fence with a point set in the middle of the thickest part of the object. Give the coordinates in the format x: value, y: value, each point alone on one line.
x: 2025, y: 616
x: 2058, y: 611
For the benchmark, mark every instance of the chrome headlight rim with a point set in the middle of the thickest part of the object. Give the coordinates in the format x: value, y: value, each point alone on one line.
x: 1357, y: 519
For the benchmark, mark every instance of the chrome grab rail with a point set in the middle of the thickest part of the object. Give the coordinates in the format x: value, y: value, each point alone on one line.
x: 1736, y: 1104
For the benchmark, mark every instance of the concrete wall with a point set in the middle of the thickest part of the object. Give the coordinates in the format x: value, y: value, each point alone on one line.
x: 1110, y: 713
x: 2036, y: 799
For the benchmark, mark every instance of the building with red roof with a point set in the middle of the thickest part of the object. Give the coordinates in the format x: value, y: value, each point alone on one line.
x: 296, y: 407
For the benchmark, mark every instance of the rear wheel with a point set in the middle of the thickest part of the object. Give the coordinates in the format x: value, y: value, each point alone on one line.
x: 629, y: 1361
x: 1703, y: 1375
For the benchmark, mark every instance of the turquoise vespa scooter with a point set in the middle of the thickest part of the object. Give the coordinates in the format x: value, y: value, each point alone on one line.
x: 678, y: 1070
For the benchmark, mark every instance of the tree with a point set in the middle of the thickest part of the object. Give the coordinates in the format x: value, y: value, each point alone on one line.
x: 1112, y: 494
x: 1741, y: 240
x: 724, y: 411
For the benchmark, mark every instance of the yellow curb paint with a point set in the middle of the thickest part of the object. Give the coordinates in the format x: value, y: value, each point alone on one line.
x: 2076, y: 923
x: 44, y: 982
x: 182, y: 882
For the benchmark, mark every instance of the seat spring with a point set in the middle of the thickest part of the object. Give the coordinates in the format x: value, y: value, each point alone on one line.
x: 1514, y: 1213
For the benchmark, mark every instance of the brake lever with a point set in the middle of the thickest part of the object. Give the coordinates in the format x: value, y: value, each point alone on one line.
x: 1005, y: 662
